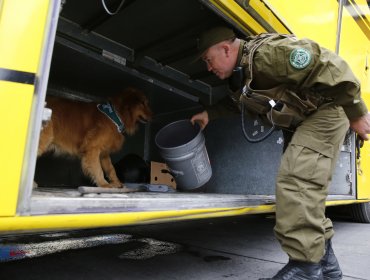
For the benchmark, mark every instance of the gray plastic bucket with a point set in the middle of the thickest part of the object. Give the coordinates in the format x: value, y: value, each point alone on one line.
x: 182, y: 146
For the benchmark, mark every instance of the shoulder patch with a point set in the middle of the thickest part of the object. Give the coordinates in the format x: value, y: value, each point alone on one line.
x: 300, y: 58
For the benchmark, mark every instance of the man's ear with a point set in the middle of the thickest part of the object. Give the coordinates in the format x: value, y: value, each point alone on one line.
x: 226, y: 49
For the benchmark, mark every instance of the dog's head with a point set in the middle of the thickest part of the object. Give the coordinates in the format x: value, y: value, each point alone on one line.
x: 133, y: 107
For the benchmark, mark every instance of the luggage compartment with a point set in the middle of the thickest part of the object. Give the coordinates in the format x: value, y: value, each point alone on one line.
x: 150, y: 45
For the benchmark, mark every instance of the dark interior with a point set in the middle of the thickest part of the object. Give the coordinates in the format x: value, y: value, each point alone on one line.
x: 156, y: 38
x: 151, y: 45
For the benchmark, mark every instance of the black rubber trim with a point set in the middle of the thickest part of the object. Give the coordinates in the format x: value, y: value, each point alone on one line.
x: 355, y: 10
x: 17, y: 76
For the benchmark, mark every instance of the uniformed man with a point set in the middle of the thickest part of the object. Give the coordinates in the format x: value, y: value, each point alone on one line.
x: 307, y: 89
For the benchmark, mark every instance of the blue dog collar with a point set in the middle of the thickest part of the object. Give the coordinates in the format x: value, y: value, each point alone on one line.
x: 108, y: 110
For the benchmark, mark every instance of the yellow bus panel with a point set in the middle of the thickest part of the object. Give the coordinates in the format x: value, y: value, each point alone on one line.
x: 315, y: 19
x: 15, y: 109
x: 22, y: 25
x: 239, y: 15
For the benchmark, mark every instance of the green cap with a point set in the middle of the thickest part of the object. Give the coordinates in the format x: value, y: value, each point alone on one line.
x: 212, y: 37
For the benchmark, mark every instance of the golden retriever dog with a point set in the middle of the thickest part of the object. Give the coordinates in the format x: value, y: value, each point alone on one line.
x: 93, y: 131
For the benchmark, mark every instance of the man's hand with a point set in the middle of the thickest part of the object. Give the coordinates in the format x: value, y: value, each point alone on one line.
x: 362, y: 126
x: 201, y: 119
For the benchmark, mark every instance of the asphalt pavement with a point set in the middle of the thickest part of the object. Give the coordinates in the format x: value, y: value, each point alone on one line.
x: 226, y: 248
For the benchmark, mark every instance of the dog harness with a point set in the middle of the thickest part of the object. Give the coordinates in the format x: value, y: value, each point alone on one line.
x: 108, y: 110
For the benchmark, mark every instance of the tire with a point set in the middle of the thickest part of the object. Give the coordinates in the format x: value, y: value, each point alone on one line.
x: 361, y: 212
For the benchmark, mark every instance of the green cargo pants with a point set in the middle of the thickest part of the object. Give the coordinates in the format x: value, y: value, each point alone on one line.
x: 302, y: 183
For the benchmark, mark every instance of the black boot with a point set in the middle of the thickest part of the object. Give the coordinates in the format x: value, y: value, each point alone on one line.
x: 296, y: 270
x: 329, y: 264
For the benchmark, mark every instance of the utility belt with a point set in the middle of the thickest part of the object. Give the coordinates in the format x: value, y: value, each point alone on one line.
x: 283, y: 107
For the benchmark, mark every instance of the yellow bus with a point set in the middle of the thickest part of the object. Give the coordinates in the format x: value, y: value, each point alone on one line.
x: 88, y: 50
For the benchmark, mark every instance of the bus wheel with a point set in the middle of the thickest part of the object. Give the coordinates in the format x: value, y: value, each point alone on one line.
x: 361, y: 212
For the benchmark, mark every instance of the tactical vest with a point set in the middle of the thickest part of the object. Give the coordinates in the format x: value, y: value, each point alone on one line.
x: 283, y: 105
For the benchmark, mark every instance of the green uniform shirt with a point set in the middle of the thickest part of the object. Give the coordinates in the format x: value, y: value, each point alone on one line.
x: 306, y: 67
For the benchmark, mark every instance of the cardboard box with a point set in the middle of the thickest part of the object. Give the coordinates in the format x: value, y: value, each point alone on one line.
x: 159, y: 175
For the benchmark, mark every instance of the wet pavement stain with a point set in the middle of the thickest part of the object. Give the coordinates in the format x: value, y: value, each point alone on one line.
x: 130, y: 247
x: 150, y: 248
x: 16, y: 251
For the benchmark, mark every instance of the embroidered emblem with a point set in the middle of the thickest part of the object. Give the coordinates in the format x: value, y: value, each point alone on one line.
x: 300, y: 58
